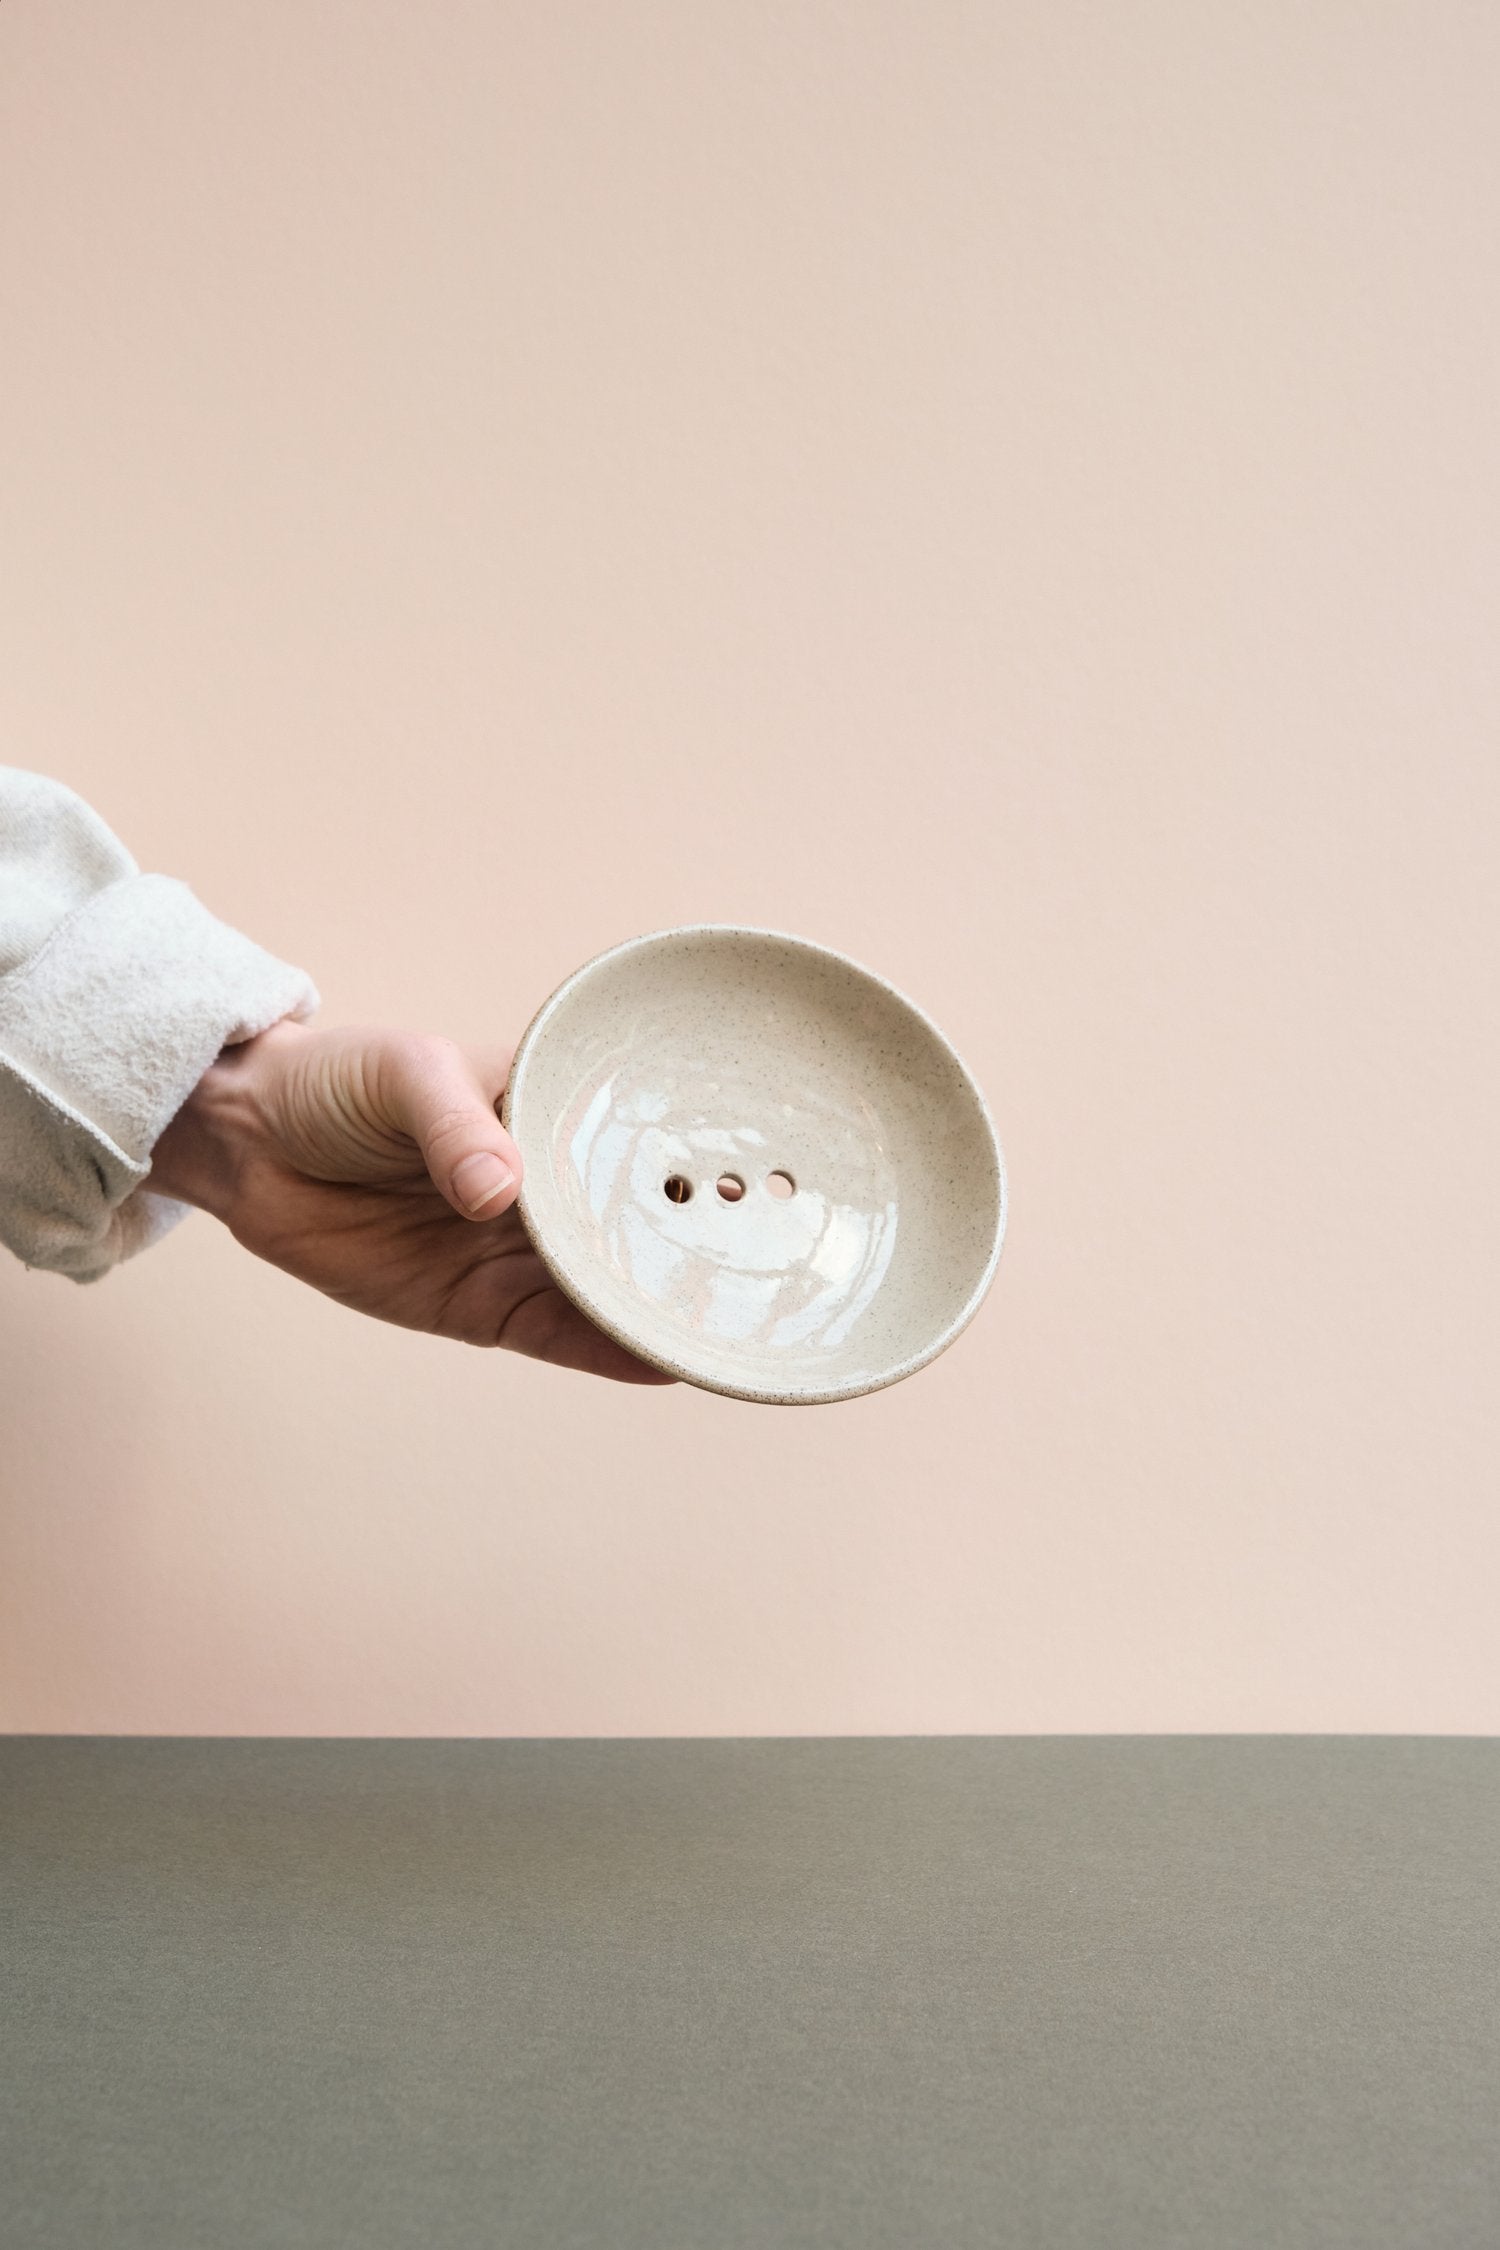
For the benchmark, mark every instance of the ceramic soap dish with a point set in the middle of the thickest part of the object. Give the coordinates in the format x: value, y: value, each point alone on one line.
x: 755, y: 1164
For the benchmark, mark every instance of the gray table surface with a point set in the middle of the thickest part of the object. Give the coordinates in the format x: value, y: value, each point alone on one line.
x: 1099, y: 1992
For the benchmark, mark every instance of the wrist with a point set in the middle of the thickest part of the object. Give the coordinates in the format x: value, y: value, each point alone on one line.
x: 202, y: 1156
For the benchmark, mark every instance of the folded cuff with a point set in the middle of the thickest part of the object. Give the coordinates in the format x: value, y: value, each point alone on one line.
x: 104, y: 1032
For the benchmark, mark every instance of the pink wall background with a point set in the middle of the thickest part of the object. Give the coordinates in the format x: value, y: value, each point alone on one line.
x: 1008, y: 490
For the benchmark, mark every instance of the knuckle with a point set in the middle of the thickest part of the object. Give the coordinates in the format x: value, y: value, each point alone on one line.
x: 448, y: 1125
x: 427, y: 1052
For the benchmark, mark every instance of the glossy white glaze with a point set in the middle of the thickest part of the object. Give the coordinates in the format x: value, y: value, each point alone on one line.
x: 713, y: 1053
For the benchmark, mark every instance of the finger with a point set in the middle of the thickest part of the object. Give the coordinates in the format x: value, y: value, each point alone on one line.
x: 436, y: 1094
x: 547, y: 1326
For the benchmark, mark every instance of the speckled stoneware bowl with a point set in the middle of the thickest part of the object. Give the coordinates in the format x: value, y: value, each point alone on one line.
x: 756, y: 1165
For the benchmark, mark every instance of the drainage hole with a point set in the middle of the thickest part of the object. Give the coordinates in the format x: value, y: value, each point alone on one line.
x: 731, y: 1187
x: 781, y: 1185
x: 678, y: 1190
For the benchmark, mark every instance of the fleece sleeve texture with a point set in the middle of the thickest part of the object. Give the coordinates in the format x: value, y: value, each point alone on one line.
x: 117, y: 990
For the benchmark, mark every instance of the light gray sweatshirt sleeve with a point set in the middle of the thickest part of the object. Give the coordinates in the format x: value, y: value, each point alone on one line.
x: 117, y: 990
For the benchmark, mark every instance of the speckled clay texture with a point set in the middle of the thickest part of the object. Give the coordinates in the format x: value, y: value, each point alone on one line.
x: 714, y: 1054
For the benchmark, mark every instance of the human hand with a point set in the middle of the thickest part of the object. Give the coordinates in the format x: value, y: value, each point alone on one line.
x: 373, y: 1165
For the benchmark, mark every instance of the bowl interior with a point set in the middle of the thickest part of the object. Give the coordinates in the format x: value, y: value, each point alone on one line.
x: 756, y: 1164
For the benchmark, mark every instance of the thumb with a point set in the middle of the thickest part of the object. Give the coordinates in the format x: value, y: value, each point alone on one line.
x: 441, y: 1102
